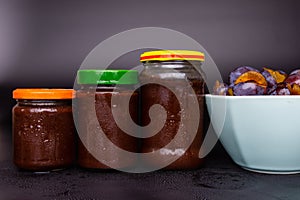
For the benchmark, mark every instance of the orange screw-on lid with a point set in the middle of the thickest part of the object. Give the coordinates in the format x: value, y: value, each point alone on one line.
x: 43, y: 93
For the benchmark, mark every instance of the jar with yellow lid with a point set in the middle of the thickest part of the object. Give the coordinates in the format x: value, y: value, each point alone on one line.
x: 167, y: 79
x: 43, y: 129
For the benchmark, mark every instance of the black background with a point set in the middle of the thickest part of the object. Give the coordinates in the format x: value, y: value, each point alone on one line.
x: 43, y: 43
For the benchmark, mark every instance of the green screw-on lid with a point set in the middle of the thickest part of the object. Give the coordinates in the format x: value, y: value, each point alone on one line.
x: 93, y: 76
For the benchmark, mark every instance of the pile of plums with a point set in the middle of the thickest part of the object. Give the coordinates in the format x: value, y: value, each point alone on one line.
x: 247, y: 80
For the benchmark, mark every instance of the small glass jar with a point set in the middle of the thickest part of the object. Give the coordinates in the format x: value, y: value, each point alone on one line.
x: 96, y: 115
x: 165, y: 73
x: 43, y: 129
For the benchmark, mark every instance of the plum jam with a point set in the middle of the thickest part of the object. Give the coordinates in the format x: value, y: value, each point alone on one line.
x: 100, y: 135
x: 171, y: 80
x: 43, y: 129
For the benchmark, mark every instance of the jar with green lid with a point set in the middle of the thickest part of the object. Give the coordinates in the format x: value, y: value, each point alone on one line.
x: 94, y: 151
x: 167, y: 76
x: 43, y: 129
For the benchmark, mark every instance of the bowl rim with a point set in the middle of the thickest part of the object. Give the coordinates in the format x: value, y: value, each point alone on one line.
x: 254, y: 96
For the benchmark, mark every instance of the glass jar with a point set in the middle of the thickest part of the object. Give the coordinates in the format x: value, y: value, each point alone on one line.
x: 96, y: 120
x: 168, y: 73
x: 43, y: 129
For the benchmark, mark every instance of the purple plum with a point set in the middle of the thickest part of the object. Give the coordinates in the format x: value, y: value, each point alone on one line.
x: 272, y: 85
x: 239, y: 71
x: 248, y: 88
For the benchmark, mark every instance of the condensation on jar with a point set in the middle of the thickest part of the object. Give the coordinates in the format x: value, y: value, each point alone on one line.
x: 166, y: 73
x: 100, y: 135
x: 43, y: 129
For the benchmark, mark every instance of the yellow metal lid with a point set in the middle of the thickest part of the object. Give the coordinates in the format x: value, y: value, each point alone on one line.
x: 166, y: 55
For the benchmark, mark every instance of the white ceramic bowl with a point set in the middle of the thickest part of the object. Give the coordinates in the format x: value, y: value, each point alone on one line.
x: 260, y: 133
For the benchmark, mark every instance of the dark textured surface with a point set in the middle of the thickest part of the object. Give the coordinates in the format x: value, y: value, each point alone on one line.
x: 218, y: 179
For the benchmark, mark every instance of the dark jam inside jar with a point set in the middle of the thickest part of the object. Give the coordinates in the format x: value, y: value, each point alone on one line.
x: 43, y: 134
x: 159, y: 94
x: 106, y: 121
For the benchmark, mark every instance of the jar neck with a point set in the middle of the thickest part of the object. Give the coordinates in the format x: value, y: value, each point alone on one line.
x: 44, y: 102
x: 107, y: 87
x: 184, y: 64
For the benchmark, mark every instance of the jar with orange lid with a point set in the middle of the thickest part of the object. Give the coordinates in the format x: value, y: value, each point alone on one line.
x: 43, y: 129
x: 174, y: 80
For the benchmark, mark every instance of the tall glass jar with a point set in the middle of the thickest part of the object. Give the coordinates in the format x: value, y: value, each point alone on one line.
x: 168, y: 73
x: 43, y: 129
x: 96, y: 121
